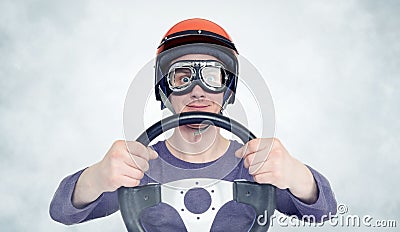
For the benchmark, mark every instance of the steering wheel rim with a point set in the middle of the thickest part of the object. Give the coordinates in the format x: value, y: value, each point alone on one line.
x: 130, y: 197
x: 195, y: 118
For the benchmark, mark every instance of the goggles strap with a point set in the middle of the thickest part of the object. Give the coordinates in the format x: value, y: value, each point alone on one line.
x: 166, y: 101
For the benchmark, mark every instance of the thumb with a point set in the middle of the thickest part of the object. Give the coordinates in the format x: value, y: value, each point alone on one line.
x: 152, y: 153
x: 240, y: 153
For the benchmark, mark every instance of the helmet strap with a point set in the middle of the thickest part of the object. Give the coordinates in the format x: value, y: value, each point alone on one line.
x: 166, y: 101
x: 226, y: 102
x: 201, y: 130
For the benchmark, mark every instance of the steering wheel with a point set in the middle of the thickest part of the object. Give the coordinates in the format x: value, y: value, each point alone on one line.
x: 261, y: 197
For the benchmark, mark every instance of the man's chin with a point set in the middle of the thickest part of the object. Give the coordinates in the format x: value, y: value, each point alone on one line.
x: 197, y: 126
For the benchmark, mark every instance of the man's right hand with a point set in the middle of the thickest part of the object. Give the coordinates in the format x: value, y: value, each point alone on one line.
x: 123, y: 165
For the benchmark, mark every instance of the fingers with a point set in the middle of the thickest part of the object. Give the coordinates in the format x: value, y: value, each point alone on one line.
x: 139, y: 155
x: 268, y: 162
x: 127, y: 181
x: 265, y: 178
x: 255, y: 152
x: 130, y: 177
x: 138, y: 149
x: 123, y: 165
x: 255, y: 159
x: 137, y: 162
x: 261, y: 167
x: 266, y: 173
x: 253, y: 146
x: 274, y: 178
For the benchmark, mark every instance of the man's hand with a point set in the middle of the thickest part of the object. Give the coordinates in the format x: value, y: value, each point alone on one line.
x: 123, y: 165
x: 270, y: 163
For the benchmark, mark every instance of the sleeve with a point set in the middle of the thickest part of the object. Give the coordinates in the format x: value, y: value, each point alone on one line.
x: 321, y: 210
x: 63, y: 211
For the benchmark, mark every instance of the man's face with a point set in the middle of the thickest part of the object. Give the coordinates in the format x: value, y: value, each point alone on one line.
x: 198, y: 99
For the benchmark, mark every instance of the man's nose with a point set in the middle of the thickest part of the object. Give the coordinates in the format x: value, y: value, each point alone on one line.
x: 197, y: 92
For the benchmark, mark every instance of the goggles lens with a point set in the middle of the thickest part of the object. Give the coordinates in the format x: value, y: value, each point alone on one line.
x: 211, y: 74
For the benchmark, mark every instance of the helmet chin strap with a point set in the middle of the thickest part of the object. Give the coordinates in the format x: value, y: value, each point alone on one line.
x: 225, y: 103
x: 166, y: 101
x: 201, y: 130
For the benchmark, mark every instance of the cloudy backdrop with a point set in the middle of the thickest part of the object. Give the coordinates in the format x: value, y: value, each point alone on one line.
x: 333, y: 69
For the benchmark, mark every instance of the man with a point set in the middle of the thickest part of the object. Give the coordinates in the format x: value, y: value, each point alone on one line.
x: 196, y: 70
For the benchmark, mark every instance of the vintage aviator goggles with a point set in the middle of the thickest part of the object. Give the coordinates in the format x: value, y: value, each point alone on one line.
x: 211, y: 75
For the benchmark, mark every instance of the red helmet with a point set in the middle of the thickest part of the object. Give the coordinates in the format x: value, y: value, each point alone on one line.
x: 195, y: 31
x: 195, y: 36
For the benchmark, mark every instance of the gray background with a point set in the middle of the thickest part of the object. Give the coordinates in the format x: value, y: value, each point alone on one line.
x: 65, y: 67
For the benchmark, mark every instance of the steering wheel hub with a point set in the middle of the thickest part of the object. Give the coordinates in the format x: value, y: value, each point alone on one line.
x: 197, y: 200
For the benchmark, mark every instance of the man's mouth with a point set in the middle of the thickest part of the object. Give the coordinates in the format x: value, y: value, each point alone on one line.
x: 197, y: 106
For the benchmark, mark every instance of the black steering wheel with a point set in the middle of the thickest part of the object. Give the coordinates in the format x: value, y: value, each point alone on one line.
x: 132, y: 201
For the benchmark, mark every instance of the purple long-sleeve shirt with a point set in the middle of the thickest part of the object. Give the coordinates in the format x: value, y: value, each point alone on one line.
x: 232, y: 216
